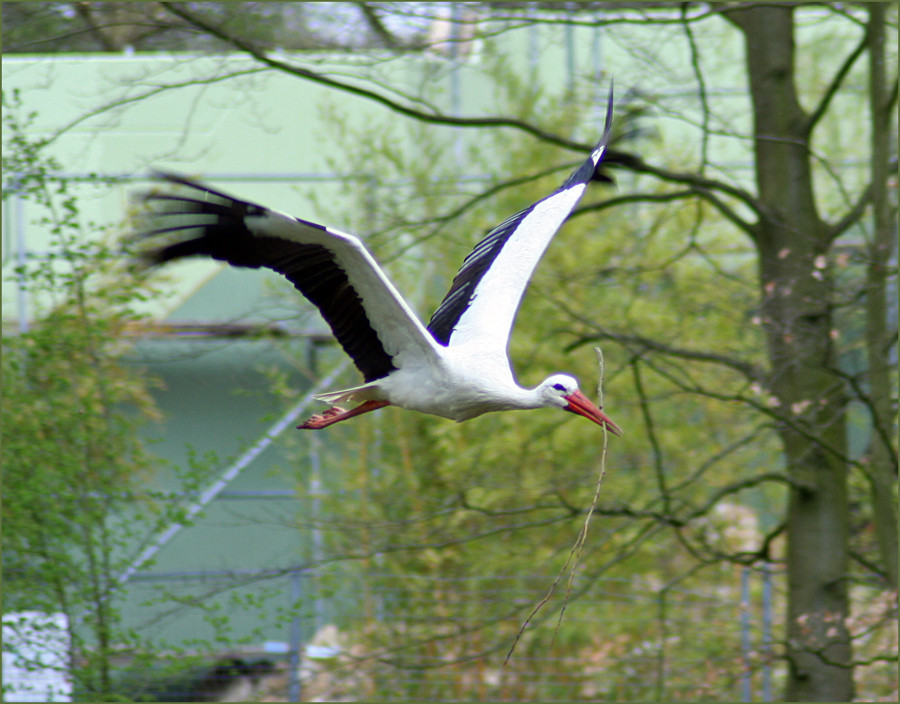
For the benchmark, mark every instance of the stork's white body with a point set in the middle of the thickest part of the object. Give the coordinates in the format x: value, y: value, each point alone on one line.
x: 458, y: 366
x: 462, y: 382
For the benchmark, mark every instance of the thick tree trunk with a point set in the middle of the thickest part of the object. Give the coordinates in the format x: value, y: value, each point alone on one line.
x: 791, y: 240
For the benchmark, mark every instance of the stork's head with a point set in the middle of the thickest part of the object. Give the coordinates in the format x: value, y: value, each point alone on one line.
x: 561, y: 391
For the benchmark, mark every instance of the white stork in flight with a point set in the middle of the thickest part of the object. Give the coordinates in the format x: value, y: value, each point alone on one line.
x: 458, y: 366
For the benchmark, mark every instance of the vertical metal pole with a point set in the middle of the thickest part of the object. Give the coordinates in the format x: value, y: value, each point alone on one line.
x: 767, y: 633
x: 746, y: 689
x: 570, y: 58
x: 228, y: 475
x: 315, y: 491
x: 21, y: 260
x: 455, y: 34
x: 376, y: 474
x: 296, y: 639
x: 534, y: 51
x: 597, y: 70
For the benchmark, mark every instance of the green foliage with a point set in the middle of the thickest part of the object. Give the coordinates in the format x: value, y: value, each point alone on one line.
x: 73, y: 466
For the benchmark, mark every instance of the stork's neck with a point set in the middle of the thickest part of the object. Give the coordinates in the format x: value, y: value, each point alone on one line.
x: 496, y: 396
x: 514, y: 397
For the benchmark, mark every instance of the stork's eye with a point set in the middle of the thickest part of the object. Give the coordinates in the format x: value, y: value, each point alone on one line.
x: 559, y: 387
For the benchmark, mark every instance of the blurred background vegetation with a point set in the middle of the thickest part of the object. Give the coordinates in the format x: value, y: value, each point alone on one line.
x: 740, y: 277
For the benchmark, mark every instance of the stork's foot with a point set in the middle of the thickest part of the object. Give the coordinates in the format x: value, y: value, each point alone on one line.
x: 336, y: 414
x: 323, y: 420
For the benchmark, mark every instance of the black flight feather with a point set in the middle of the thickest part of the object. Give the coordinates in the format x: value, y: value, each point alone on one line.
x: 216, y: 225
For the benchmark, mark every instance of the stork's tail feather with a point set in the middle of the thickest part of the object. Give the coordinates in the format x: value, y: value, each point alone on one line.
x: 356, y: 394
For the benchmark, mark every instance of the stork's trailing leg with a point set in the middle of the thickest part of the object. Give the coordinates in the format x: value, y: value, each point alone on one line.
x: 336, y: 414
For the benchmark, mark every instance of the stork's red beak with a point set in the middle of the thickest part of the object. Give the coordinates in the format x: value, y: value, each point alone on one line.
x: 583, y: 406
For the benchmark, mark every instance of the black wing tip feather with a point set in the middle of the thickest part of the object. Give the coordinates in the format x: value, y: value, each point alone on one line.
x: 221, y: 203
x: 588, y: 170
x: 609, y: 110
x: 182, y: 225
x: 181, y: 180
x: 202, y: 222
x: 598, y: 174
x: 151, y: 222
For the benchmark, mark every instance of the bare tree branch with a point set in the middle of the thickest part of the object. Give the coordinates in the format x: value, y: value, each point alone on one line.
x: 701, y: 86
x: 85, y: 12
x: 143, y: 96
x: 783, y: 418
x: 440, y: 221
x: 429, y: 117
x: 370, y: 14
x: 694, y: 191
x: 834, y: 86
x: 633, y: 198
x: 704, y: 186
x: 658, y: 463
x: 751, y: 371
x: 851, y: 217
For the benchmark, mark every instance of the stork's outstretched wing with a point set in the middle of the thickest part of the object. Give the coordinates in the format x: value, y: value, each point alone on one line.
x: 504, y: 261
x: 332, y: 269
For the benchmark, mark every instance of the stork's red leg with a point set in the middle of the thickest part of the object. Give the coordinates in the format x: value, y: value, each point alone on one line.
x: 337, y: 414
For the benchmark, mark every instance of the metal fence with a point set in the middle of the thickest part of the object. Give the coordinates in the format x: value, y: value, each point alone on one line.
x: 376, y: 636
